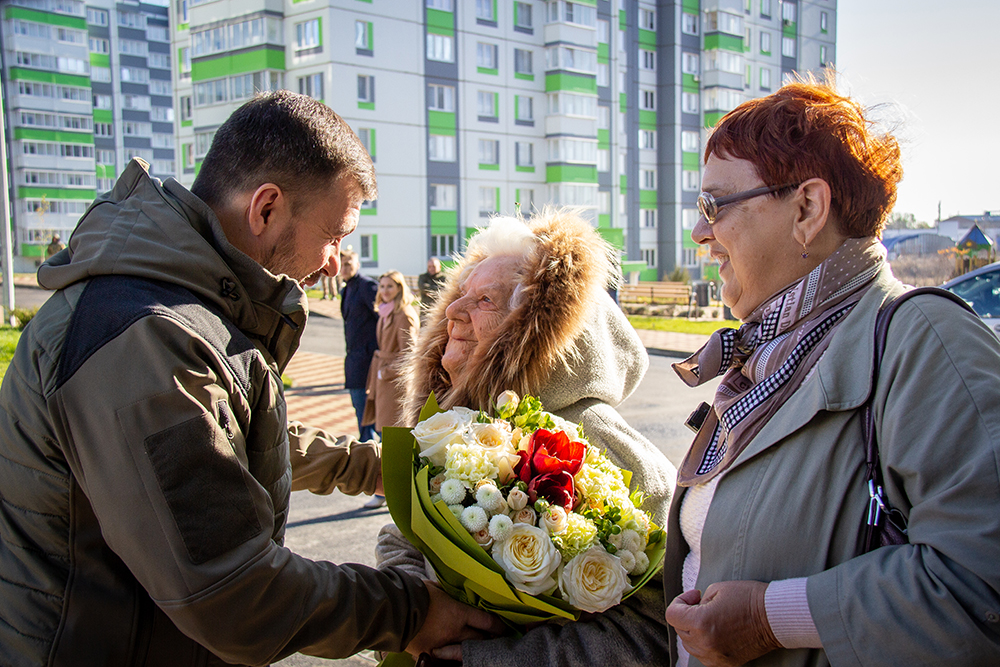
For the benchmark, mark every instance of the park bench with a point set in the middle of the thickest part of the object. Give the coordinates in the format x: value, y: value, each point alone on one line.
x: 656, y: 293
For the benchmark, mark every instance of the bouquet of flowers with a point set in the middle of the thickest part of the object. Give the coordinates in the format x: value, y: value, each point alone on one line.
x: 517, y: 512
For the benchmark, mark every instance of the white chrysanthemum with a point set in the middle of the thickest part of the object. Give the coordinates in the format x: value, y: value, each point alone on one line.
x: 474, y: 518
x: 457, y: 510
x: 571, y: 429
x: 616, y: 540
x: 436, y: 497
x: 490, y: 498
x: 469, y: 463
x: 631, y: 541
x: 501, y: 527
x: 628, y: 559
x: 641, y: 564
x: 453, y: 491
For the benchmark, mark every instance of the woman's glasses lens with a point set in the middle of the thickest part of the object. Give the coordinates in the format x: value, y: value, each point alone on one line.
x: 706, y: 206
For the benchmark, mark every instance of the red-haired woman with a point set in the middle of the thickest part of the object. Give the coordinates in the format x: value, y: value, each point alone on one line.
x: 764, y: 559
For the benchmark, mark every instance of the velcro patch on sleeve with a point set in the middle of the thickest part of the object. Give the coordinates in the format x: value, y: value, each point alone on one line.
x: 205, y: 487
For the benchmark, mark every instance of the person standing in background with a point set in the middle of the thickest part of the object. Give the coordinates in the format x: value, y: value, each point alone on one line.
x: 357, y: 307
x: 397, y: 329
x: 54, y: 247
x: 428, y: 285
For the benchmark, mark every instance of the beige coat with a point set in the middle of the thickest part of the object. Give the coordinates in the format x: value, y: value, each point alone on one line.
x: 792, y: 503
x: 395, y: 334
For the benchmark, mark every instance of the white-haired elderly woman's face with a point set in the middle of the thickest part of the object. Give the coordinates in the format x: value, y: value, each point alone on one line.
x: 480, y: 310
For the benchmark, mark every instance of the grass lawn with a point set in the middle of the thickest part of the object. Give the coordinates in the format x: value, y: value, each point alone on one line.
x: 8, y: 343
x: 680, y: 324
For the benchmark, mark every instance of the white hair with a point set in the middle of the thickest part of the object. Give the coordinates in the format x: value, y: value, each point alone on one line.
x: 505, y: 236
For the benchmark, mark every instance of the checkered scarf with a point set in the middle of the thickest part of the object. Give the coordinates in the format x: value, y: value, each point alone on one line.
x: 765, y: 360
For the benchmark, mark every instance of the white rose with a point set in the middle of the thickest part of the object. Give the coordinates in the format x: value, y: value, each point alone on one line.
x: 554, y: 520
x: 507, y: 403
x: 529, y: 559
x: 434, y: 434
x: 483, y: 538
x: 435, y: 483
x: 525, y: 515
x: 517, y: 499
x: 594, y: 580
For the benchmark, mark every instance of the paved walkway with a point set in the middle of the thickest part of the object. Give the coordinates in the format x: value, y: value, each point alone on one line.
x: 318, y: 397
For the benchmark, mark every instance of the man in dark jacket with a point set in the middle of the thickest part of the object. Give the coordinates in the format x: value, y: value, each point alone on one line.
x: 357, y: 307
x: 144, y: 449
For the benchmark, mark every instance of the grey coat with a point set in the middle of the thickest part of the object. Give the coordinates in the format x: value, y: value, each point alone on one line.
x: 792, y: 504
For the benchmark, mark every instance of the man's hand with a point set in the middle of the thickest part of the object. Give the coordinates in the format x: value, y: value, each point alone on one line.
x: 449, y: 623
x: 725, y: 627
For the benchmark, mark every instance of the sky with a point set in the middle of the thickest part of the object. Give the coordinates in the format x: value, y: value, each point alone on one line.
x: 936, y: 63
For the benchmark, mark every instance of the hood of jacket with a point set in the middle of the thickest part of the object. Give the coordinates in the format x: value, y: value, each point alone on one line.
x: 163, y: 232
x: 565, y: 341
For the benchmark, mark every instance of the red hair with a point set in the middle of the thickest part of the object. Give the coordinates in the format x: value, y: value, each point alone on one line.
x: 806, y: 130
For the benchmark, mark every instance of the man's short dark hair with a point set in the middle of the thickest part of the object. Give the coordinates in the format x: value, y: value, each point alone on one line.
x: 290, y: 140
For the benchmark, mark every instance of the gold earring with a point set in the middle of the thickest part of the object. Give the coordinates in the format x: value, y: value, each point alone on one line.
x: 805, y: 251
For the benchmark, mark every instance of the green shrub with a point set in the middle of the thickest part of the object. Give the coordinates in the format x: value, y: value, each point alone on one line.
x: 679, y: 275
x: 24, y: 316
x: 8, y: 343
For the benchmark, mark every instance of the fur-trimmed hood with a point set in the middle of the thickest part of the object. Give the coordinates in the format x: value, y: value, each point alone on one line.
x: 562, y: 285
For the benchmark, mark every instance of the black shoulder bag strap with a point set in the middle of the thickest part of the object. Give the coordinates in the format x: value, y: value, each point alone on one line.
x: 885, y: 525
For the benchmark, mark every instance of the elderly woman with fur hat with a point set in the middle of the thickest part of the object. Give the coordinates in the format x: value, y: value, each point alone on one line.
x: 526, y: 309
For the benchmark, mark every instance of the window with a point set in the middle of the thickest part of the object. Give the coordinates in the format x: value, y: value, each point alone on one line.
x: 722, y: 99
x: 788, y: 47
x: 136, y: 129
x: 366, y: 89
x: 443, y: 245
x: 690, y: 181
x: 603, y: 159
x: 603, y: 31
x: 362, y: 35
x: 158, y: 60
x: 787, y: 12
x: 570, y: 58
x: 565, y: 149
x: 647, y: 19
x: 523, y: 107
x: 522, y: 62
x: 724, y: 61
x: 525, y: 199
x: 185, y: 104
x: 689, y: 218
x: 441, y: 148
x: 366, y: 136
x: 102, y: 101
x: 603, y: 75
x: 99, y: 45
x: 604, y: 118
x: 443, y: 5
x: 443, y: 197
x: 157, y: 33
x: 822, y: 57
x: 211, y: 92
x: 647, y: 179
x: 823, y: 22
x: 724, y: 22
x: 765, y: 78
x: 689, y: 23
x: 647, y: 139
x: 648, y: 59
x: 487, y: 201
x: 486, y: 55
x: 765, y: 8
x: 522, y: 15
x: 647, y: 100
x: 182, y: 11
x: 161, y: 140
x: 572, y: 12
x: 160, y: 87
x: 133, y: 47
x: 689, y: 63
x: 571, y: 104
x: 185, y: 62
x: 368, y: 244
x: 102, y: 74
x: 136, y: 102
x: 484, y: 10
x: 97, y: 16
x: 524, y: 154
x: 765, y: 42
x: 486, y: 104
x: 439, y: 47
x: 162, y: 114
x: 440, y: 98
x: 103, y: 130
x: 105, y: 157
x: 135, y: 75
x: 649, y: 256
x: 489, y: 151
x: 307, y: 35
x: 690, y: 142
x: 312, y: 85
x: 689, y: 102
x: 649, y: 218
x: 131, y: 19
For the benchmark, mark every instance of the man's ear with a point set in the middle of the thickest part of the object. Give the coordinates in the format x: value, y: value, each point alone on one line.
x: 813, y: 199
x: 264, y: 202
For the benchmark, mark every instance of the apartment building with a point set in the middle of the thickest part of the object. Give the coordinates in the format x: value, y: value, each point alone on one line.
x: 87, y: 86
x: 471, y: 108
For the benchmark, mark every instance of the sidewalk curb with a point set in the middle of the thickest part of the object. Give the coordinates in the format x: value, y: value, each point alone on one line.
x: 657, y: 352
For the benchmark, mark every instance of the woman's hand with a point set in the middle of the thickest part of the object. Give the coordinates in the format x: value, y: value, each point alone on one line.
x: 725, y: 627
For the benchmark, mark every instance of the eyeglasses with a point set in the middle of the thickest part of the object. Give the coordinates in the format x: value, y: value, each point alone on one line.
x: 709, y: 206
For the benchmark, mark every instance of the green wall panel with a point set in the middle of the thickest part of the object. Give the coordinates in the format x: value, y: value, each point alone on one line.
x: 574, y: 83
x: 444, y: 222
x: 717, y: 40
x: 647, y: 119
x: 54, y: 193
x: 613, y: 235
x: 647, y: 39
x: 647, y: 198
x: 441, y: 122
x: 50, y: 18
x: 100, y: 60
x: 713, y: 117
x: 253, y: 60
x: 22, y: 74
x: 440, y: 23
x: 62, y: 136
x: 570, y: 173
x: 691, y: 161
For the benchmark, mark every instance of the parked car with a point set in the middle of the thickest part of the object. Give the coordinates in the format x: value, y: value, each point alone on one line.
x: 981, y: 288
